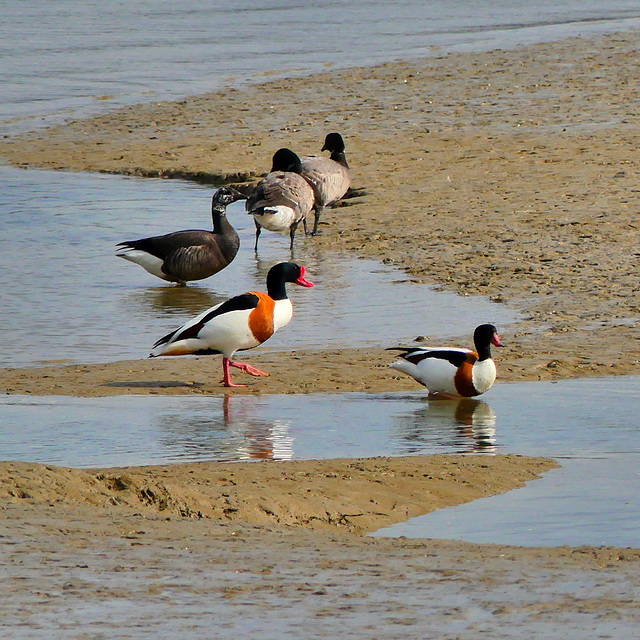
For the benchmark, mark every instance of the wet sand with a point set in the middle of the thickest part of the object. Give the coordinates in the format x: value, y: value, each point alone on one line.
x: 355, y: 496
x: 213, y: 550
x: 87, y: 573
x: 510, y: 174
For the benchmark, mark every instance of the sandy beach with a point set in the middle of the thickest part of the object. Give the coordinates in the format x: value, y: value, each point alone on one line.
x: 507, y: 174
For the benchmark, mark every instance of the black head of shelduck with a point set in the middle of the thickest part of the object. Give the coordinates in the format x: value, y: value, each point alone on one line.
x: 486, y: 334
x: 287, y: 272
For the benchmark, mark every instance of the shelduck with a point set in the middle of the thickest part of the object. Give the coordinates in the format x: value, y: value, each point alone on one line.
x: 242, y: 322
x: 329, y: 177
x: 192, y: 254
x: 447, y: 371
x: 283, y: 198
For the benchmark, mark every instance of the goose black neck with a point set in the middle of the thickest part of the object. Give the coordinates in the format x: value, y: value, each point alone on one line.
x: 218, y: 215
x: 340, y: 158
x: 286, y: 160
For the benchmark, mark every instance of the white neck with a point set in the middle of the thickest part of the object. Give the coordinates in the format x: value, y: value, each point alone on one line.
x: 282, y: 313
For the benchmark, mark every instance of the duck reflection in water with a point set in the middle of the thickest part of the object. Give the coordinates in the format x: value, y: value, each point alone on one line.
x: 173, y: 300
x: 263, y: 440
x: 227, y: 431
x: 467, y: 425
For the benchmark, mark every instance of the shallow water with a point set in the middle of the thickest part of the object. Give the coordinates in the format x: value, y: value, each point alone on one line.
x: 61, y: 60
x: 66, y: 297
x: 588, y: 425
x: 133, y: 430
x: 590, y: 501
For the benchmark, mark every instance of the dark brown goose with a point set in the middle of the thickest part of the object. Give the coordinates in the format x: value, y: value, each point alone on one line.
x: 329, y: 177
x: 193, y: 254
x: 283, y: 198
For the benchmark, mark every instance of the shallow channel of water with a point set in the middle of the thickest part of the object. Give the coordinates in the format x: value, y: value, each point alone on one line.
x: 588, y: 425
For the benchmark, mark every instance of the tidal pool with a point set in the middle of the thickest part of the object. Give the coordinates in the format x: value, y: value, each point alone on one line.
x: 67, y: 298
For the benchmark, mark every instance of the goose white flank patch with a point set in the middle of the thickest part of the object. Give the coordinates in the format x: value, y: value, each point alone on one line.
x: 448, y: 371
x: 283, y: 198
x: 329, y: 177
x: 240, y: 323
x: 192, y: 254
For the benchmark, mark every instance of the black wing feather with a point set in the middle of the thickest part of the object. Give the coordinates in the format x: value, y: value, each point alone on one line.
x: 456, y: 358
x: 163, y: 246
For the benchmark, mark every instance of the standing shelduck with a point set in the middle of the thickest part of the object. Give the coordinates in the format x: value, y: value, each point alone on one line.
x: 449, y: 371
x: 329, y: 177
x: 240, y: 323
x: 193, y: 254
x: 283, y: 198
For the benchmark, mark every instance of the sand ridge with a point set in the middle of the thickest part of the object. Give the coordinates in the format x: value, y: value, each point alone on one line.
x: 355, y: 496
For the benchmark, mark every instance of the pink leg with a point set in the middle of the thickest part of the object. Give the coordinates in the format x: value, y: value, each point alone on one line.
x: 247, y: 368
x: 226, y: 376
x: 243, y: 366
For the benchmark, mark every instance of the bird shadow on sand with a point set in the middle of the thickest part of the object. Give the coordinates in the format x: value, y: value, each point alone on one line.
x: 152, y: 384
